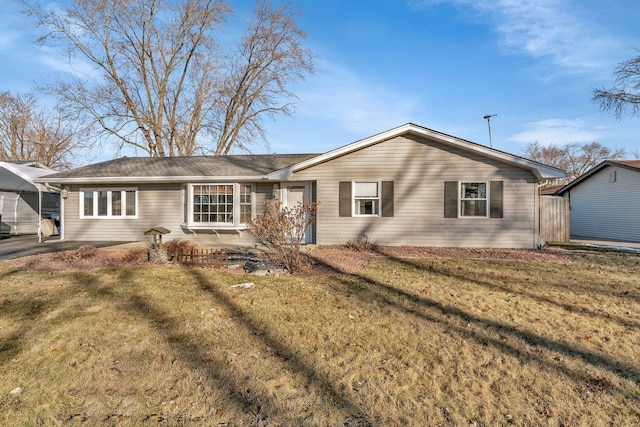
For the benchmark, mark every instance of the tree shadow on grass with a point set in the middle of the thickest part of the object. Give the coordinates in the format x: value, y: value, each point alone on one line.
x: 242, y: 391
x: 495, y: 286
x: 452, y: 318
x: 316, y: 380
x: 32, y: 309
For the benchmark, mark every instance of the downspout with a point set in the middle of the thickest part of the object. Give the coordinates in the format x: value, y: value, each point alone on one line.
x: 63, y: 197
x: 15, y: 214
x: 39, y: 214
x: 539, y: 208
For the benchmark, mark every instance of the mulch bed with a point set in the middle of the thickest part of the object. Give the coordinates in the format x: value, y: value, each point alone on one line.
x: 323, y: 259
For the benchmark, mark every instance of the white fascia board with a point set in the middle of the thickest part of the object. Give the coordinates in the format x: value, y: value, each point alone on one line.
x: 539, y: 170
x: 149, y: 179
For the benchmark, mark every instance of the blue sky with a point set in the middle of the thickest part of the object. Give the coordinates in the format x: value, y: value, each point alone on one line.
x: 442, y: 64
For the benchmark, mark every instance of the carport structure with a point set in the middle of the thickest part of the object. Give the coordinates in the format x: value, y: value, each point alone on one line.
x: 23, y: 202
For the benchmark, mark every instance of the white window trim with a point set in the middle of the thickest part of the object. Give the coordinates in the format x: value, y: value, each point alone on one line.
x: 353, y: 197
x: 109, y: 191
x: 236, y: 225
x: 487, y: 198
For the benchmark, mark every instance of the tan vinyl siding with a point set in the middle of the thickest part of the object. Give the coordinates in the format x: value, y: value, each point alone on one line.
x: 158, y: 205
x: 264, y: 193
x: 419, y: 169
x: 607, y: 210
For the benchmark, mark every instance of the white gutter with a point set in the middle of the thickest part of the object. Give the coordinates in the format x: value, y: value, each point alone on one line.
x: 150, y: 179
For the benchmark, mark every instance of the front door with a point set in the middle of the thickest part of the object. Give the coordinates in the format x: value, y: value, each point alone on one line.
x: 295, y: 193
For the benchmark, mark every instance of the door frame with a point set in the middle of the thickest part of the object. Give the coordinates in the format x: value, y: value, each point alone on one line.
x: 284, y: 192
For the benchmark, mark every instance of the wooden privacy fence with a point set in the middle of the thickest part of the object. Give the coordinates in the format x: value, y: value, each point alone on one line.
x: 202, y: 257
x: 554, y: 219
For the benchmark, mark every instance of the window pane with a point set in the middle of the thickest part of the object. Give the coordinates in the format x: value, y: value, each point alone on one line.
x: 473, y: 207
x: 213, y: 203
x: 131, y: 203
x: 102, y: 203
x: 88, y: 203
x: 365, y: 189
x: 245, y: 203
x: 473, y: 190
x: 116, y: 203
x: 366, y: 207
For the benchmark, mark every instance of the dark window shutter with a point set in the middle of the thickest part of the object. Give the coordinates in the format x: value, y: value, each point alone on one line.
x: 345, y: 199
x: 451, y: 199
x: 495, y: 202
x: 387, y: 198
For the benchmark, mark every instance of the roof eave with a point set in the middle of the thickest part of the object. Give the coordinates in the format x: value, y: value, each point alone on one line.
x: 148, y: 179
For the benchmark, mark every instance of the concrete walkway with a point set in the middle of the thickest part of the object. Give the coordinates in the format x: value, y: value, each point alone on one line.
x: 608, y: 244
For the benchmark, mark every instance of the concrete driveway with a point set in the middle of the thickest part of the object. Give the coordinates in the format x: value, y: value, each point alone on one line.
x: 19, y: 246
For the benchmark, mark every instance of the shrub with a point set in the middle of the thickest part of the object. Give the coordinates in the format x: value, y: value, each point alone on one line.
x: 176, y: 245
x: 282, y: 230
x: 83, y: 252
x: 362, y: 245
x: 136, y: 255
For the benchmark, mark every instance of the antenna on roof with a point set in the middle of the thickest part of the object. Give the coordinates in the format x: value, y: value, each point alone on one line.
x: 488, y: 119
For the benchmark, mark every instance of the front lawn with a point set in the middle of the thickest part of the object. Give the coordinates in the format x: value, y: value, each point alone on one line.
x: 405, y: 341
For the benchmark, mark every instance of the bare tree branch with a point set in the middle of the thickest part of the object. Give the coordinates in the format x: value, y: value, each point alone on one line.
x: 624, y: 97
x: 31, y: 133
x: 161, y: 81
x: 575, y: 159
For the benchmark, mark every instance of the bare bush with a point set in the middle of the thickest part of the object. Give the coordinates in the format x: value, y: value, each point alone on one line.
x: 83, y: 252
x: 136, y: 255
x: 175, y: 246
x: 362, y: 245
x: 282, y: 230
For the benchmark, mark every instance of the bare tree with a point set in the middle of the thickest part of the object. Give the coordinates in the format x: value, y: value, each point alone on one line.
x: 31, y: 133
x: 624, y: 97
x: 163, y: 83
x: 575, y: 159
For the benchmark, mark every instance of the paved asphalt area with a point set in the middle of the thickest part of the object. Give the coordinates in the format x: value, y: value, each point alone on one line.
x: 19, y: 246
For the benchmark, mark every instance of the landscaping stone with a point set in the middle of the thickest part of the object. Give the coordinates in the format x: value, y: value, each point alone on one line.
x: 263, y: 268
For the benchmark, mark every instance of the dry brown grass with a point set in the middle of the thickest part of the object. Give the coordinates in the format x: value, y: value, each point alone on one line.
x: 425, y: 342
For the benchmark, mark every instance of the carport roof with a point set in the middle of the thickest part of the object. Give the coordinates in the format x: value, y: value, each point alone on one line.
x: 20, y: 176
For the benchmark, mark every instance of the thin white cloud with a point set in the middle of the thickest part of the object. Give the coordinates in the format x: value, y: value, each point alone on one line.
x: 54, y: 60
x: 558, y: 131
x: 340, y: 96
x: 555, y: 29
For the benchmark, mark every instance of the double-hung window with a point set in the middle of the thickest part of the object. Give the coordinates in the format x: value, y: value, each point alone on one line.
x: 219, y: 205
x: 474, y: 199
x: 109, y: 203
x: 366, y: 198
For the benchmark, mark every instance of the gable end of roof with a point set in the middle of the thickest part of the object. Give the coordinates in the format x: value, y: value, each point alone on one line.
x: 538, y: 169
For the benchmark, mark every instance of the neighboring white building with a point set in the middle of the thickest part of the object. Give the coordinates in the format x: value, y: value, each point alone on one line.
x: 21, y: 198
x: 605, y: 202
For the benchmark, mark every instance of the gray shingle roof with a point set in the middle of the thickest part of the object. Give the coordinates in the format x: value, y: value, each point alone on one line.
x: 628, y: 164
x: 173, y: 167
